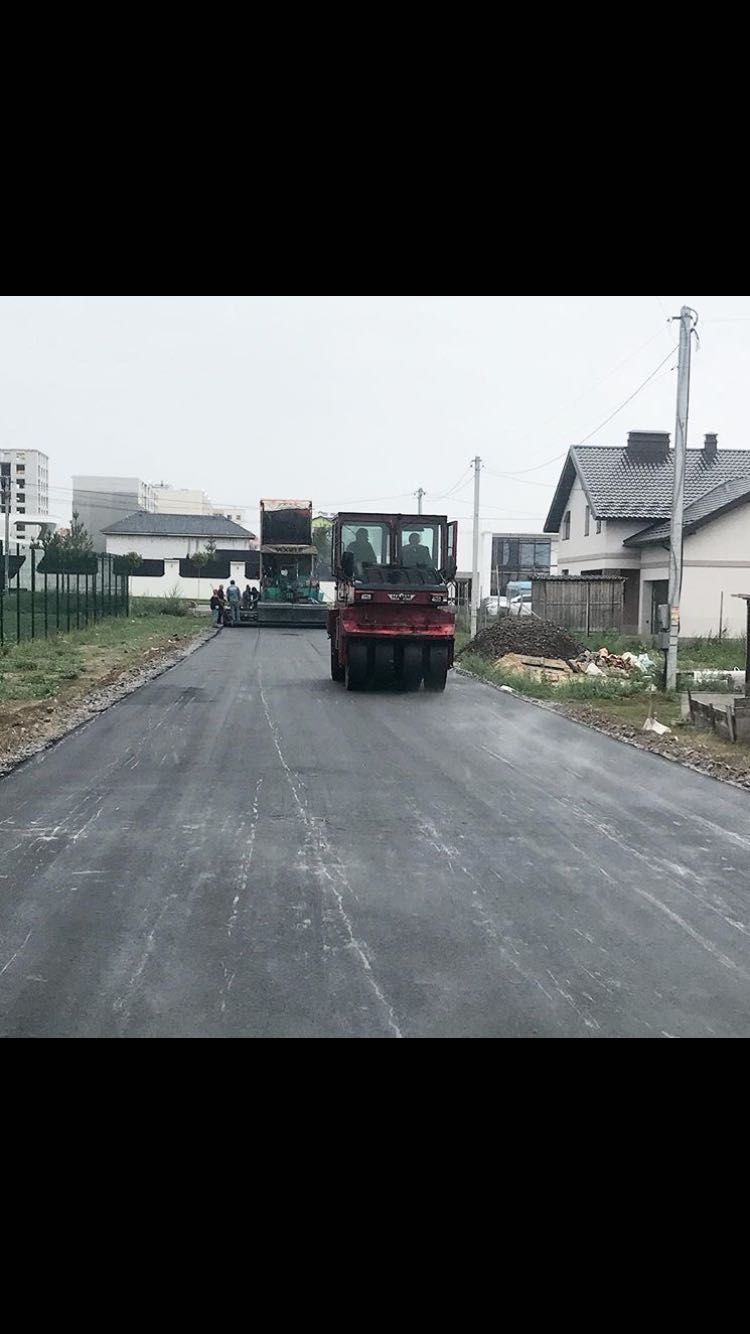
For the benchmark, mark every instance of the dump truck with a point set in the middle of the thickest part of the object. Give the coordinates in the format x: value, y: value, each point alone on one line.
x: 394, y: 618
x: 289, y: 587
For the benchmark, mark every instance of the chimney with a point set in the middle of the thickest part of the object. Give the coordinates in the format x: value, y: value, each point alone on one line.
x: 710, y: 447
x: 648, y: 446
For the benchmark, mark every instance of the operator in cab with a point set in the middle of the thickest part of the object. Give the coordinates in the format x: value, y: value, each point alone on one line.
x: 361, y: 550
x: 415, y: 553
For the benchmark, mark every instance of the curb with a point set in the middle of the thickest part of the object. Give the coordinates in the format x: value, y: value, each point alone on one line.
x: 89, y: 708
x: 559, y: 712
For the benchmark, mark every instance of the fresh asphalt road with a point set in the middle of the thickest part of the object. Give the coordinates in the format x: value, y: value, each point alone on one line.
x: 243, y: 848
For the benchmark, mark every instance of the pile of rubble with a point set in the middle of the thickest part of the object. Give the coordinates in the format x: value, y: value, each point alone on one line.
x: 525, y: 635
x: 603, y: 663
x: 546, y: 652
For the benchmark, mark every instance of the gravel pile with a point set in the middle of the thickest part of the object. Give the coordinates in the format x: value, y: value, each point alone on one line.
x: 527, y: 635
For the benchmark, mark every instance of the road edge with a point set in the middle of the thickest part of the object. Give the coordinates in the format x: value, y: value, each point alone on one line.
x: 101, y: 701
x: 559, y: 712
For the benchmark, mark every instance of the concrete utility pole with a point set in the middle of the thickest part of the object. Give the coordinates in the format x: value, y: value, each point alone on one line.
x: 686, y: 318
x: 420, y: 493
x: 5, y: 482
x: 475, y: 554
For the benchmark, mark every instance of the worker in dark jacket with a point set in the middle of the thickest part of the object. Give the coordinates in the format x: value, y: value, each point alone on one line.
x: 362, y: 552
x: 415, y: 553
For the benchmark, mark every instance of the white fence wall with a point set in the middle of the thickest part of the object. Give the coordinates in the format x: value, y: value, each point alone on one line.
x: 171, y: 584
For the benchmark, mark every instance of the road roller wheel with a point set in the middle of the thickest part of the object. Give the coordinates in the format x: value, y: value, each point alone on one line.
x: 412, y: 667
x: 436, y: 667
x: 337, y: 671
x: 356, y: 666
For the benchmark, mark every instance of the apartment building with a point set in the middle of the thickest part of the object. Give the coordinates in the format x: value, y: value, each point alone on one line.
x: 26, y: 476
x: 181, y: 500
x: 100, y: 501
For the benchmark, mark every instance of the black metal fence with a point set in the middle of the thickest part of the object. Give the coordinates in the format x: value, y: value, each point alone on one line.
x: 45, y: 596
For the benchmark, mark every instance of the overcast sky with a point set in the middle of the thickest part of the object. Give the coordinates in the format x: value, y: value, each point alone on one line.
x: 347, y: 400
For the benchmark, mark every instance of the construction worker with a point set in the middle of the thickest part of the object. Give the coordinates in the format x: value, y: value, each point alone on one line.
x: 234, y: 598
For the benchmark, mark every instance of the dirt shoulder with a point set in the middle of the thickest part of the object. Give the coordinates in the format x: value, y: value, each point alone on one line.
x: 48, y: 687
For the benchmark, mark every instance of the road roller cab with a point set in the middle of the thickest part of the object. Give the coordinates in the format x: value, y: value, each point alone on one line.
x: 393, y: 622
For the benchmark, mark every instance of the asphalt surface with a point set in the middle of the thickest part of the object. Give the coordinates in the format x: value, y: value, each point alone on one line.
x: 243, y: 848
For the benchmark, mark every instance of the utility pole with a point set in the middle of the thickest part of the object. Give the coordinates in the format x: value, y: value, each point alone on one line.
x: 5, y: 482
x: 420, y: 493
x: 686, y: 318
x: 475, y: 554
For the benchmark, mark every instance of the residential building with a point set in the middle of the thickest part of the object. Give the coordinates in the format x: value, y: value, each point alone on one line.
x: 25, y: 475
x: 100, y: 501
x: 236, y: 515
x: 504, y: 556
x: 612, y: 507
x: 167, y: 542
x: 180, y: 500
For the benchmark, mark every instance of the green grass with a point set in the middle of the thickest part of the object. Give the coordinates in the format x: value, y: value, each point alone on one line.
x: 166, y: 606
x: 722, y: 654
x: 42, y: 668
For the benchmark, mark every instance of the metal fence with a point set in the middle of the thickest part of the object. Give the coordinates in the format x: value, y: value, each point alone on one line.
x: 44, y: 597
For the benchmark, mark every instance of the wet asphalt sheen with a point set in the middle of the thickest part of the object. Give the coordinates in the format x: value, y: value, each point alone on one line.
x: 241, y: 848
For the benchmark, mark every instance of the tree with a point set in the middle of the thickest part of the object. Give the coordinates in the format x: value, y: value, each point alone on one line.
x: 199, y: 559
x: 134, y: 559
x: 211, y: 547
x: 69, y: 551
x: 322, y: 534
x: 78, y: 538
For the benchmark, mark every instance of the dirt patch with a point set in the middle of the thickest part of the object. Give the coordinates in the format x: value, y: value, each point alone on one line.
x: 698, y: 750
x: 28, y: 726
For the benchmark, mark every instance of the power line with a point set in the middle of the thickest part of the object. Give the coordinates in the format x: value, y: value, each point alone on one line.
x: 456, y: 485
x: 629, y: 399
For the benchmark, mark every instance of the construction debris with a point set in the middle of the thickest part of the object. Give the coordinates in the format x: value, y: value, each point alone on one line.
x: 653, y: 725
x: 539, y: 669
x: 525, y: 635
x: 547, y: 652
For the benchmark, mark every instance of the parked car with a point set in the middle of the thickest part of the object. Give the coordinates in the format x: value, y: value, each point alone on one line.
x: 495, y: 606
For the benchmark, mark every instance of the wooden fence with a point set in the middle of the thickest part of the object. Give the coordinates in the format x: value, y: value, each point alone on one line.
x: 708, y: 716
x: 587, y: 604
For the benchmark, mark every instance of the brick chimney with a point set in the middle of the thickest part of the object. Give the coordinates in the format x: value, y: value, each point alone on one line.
x: 710, y: 448
x: 648, y: 446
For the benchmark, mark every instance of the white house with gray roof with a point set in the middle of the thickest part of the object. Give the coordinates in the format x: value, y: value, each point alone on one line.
x: 612, y: 507
x: 165, y: 544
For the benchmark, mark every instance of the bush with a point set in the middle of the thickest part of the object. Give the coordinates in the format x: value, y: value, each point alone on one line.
x: 171, y: 605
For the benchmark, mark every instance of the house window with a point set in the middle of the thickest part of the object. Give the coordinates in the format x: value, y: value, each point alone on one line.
x: 566, y: 527
x: 565, y: 572
x: 20, y: 527
x: 21, y: 509
x: 598, y: 525
x: 587, y: 522
x: 21, y: 495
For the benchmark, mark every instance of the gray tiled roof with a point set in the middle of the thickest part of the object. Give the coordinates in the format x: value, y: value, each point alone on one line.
x: 619, y: 486
x: 725, y: 496
x: 145, y: 524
